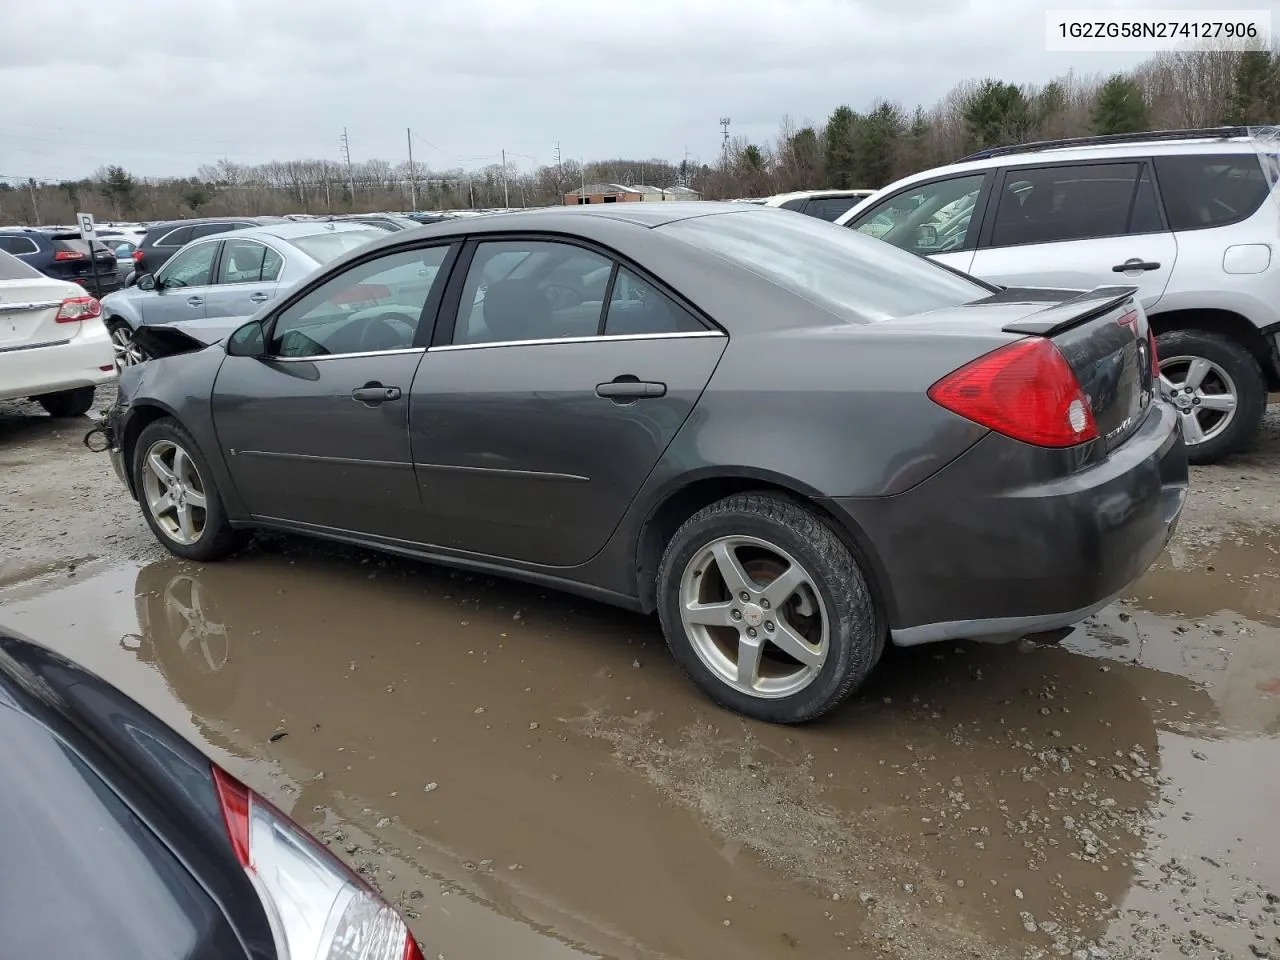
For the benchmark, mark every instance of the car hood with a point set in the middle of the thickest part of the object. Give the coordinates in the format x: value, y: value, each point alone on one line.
x: 165, y: 339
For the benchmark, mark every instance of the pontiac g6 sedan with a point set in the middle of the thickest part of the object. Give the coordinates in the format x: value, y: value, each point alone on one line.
x: 791, y: 442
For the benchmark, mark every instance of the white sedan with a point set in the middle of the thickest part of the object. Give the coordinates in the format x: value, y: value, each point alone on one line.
x: 54, y: 348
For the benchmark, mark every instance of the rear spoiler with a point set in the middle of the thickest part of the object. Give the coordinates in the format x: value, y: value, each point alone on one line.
x: 1070, y: 313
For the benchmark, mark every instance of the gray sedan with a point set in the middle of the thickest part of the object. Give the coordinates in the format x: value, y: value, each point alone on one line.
x: 790, y: 442
x: 225, y: 275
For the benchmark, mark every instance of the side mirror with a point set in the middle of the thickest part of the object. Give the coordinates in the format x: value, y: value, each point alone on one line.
x: 146, y: 282
x: 247, y: 341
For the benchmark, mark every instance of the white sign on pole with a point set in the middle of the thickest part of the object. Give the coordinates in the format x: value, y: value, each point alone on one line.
x: 87, y: 231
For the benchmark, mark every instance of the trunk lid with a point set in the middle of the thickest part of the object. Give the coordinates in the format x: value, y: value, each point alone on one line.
x: 27, y: 312
x: 1105, y: 338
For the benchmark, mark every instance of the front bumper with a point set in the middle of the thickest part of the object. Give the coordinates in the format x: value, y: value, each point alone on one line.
x: 986, y: 548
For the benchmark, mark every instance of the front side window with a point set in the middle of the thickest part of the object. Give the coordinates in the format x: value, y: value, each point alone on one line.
x: 1056, y: 204
x: 932, y: 218
x: 850, y: 275
x: 373, y: 306
x: 531, y: 290
x: 242, y: 262
x: 191, y: 267
x: 1210, y: 190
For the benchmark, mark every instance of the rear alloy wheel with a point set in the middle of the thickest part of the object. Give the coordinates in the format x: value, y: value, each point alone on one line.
x: 67, y: 403
x: 178, y: 496
x: 127, y: 352
x: 1218, y: 389
x: 766, y: 609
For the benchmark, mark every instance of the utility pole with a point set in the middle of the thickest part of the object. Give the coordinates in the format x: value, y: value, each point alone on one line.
x: 506, y: 196
x: 724, y: 122
x: 35, y: 207
x: 346, y: 152
x: 582, y: 169
x: 413, y: 174
x: 559, y: 170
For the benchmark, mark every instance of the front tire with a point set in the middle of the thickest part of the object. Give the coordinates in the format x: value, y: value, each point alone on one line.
x: 766, y: 609
x: 1218, y: 388
x: 67, y: 403
x: 125, y: 348
x: 178, y: 496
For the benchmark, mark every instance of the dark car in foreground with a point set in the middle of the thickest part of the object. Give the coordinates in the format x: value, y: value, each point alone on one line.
x: 790, y: 441
x: 123, y: 842
x: 63, y: 255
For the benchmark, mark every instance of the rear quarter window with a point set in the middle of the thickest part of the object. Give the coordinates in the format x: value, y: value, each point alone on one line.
x: 16, y: 244
x: 174, y: 238
x: 1210, y: 190
x: 848, y: 274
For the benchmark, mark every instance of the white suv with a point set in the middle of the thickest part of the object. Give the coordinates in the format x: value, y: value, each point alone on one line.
x: 1189, y: 217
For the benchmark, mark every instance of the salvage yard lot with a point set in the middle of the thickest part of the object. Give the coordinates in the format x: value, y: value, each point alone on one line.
x: 527, y: 774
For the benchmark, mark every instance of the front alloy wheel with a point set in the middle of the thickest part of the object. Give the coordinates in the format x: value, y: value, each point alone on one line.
x: 126, y: 350
x: 174, y: 492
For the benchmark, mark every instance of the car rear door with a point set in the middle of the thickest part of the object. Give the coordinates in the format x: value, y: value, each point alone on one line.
x: 548, y: 396
x: 937, y: 218
x: 246, y: 277
x: 1077, y: 226
x: 315, y: 431
x: 182, y: 285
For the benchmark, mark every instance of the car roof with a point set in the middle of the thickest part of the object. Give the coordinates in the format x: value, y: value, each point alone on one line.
x: 197, y: 221
x: 778, y: 198
x: 293, y: 229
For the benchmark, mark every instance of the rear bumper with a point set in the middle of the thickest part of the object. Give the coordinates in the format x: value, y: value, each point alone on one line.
x: 66, y: 366
x: 985, y: 548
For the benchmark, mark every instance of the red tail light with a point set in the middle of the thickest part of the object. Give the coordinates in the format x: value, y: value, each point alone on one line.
x: 137, y: 256
x: 69, y: 255
x: 75, y: 309
x: 1024, y: 390
x: 317, y: 908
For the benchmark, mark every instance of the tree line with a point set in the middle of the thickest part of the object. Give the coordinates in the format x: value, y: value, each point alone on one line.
x: 1188, y: 88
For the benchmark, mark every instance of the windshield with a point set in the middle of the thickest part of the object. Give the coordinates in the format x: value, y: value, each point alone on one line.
x: 329, y: 245
x: 849, y: 274
x: 11, y: 268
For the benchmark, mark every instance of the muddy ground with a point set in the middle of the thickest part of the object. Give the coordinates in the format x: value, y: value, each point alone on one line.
x: 528, y: 774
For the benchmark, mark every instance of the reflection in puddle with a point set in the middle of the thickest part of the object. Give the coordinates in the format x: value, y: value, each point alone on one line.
x: 529, y: 775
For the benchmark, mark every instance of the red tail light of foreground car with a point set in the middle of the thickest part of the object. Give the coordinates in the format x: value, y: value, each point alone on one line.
x: 75, y: 309
x: 318, y: 909
x: 1024, y: 390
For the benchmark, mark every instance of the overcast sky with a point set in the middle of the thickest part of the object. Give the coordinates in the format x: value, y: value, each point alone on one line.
x: 163, y: 86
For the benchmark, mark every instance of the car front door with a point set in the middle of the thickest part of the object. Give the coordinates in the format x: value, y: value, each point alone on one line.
x: 247, y: 277
x: 181, y: 285
x: 547, y: 398
x: 1077, y: 226
x: 938, y: 219
x: 315, y: 430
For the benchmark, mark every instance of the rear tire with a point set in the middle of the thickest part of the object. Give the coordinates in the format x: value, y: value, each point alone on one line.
x: 126, y: 352
x: 67, y: 403
x: 178, y: 495
x: 1232, y: 369
x: 767, y: 539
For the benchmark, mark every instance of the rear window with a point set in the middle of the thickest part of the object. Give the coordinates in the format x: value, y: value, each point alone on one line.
x: 1210, y: 190
x: 72, y: 242
x: 323, y: 247
x: 11, y: 268
x: 838, y: 269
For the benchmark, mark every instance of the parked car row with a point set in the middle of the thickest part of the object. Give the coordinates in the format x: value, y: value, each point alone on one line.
x: 1182, y: 215
x: 60, y: 253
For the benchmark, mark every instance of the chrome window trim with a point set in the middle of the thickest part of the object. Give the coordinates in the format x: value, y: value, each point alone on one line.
x: 345, y: 356
x: 692, y: 335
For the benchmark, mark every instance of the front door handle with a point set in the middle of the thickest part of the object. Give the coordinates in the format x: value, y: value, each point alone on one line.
x: 259, y: 298
x: 628, y: 389
x: 1136, y: 263
x: 374, y: 393
x: 195, y: 301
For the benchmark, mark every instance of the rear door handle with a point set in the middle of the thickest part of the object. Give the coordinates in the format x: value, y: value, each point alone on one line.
x: 375, y: 393
x: 1135, y: 264
x: 259, y: 298
x: 629, y: 390
x: 195, y: 301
